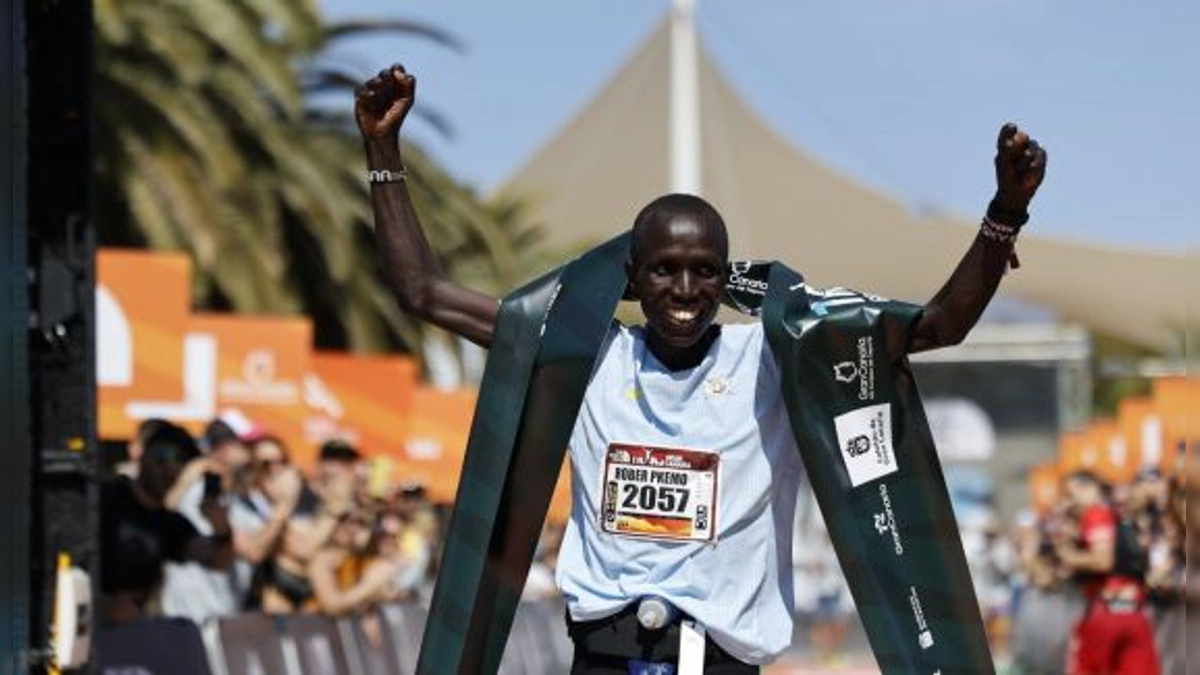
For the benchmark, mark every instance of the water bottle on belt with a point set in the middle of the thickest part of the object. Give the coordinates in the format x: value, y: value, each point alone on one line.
x: 654, y: 612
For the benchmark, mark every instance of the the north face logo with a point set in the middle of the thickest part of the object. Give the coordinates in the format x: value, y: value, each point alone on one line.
x: 859, y: 445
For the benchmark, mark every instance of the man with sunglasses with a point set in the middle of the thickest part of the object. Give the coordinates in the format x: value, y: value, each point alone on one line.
x: 139, y: 533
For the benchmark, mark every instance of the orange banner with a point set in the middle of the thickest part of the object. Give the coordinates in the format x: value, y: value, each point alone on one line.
x: 1116, y: 463
x: 364, y: 400
x: 258, y: 367
x: 438, y: 427
x: 1044, y: 487
x: 1178, y: 401
x: 1142, y: 427
x: 143, y: 301
x: 155, y: 358
x: 437, y: 440
x: 1076, y: 451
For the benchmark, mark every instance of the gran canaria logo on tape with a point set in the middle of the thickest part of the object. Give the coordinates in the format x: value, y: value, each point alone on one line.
x: 885, y: 521
x: 739, y: 278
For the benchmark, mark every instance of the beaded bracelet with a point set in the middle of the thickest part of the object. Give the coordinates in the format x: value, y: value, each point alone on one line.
x: 1005, y: 234
x: 1002, y: 233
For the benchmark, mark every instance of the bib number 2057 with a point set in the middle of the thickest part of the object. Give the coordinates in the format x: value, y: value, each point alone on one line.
x: 651, y: 498
x: 665, y: 493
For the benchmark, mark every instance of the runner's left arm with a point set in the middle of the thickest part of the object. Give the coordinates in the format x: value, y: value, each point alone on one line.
x: 950, y: 315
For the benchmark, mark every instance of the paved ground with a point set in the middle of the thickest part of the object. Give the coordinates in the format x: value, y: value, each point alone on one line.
x: 798, y: 660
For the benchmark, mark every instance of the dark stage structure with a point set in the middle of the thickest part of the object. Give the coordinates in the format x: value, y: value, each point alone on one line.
x: 47, y: 476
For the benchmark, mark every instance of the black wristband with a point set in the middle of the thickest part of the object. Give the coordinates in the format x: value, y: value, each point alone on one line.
x: 1003, y: 216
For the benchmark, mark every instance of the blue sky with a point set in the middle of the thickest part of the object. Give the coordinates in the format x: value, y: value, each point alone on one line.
x: 903, y: 96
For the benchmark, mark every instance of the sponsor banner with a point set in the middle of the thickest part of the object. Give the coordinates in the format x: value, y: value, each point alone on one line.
x: 1076, y: 451
x: 1178, y: 400
x: 1142, y: 427
x: 364, y: 400
x: 155, y: 358
x: 257, y: 367
x: 1099, y: 448
x: 143, y: 301
x: 436, y: 439
x: 434, y: 446
x: 1117, y: 464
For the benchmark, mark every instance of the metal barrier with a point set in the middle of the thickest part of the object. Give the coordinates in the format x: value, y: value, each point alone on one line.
x: 405, y: 626
x: 382, y: 642
x: 538, y: 643
x: 248, y: 644
x: 153, y: 647
x: 319, y: 646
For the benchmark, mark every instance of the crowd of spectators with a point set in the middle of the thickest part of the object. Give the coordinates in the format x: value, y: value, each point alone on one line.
x: 214, y: 526
x: 1097, y: 582
x: 222, y: 524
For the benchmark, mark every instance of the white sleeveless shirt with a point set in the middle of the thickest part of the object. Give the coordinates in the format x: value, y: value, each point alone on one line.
x: 739, y: 582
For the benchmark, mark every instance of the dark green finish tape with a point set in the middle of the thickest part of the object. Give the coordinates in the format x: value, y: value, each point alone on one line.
x: 895, y: 534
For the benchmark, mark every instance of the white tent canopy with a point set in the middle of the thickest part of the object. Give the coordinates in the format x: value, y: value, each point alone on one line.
x: 590, y: 180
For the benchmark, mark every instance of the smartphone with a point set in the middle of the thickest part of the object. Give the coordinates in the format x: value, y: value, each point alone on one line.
x: 212, y: 485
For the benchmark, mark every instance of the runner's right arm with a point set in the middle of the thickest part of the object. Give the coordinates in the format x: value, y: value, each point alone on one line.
x: 413, y: 272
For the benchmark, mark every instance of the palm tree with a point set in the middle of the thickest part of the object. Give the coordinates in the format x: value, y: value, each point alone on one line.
x: 206, y: 142
x: 177, y: 86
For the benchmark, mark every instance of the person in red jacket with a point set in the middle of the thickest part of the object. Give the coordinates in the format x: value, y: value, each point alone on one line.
x: 1114, y: 637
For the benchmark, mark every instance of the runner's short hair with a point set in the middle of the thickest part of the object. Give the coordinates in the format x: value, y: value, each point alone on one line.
x: 677, y: 205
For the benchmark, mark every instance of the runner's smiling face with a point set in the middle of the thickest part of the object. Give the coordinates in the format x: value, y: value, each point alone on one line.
x: 678, y: 273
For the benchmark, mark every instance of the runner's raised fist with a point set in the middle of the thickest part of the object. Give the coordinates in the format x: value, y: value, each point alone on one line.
x: 1020, y: 168
x: 382, y: 102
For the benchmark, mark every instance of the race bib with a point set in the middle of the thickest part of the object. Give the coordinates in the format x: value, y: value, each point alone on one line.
x: 662, y: 493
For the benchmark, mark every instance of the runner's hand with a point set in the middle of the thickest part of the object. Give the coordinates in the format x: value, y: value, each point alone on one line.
x: 1020, y: 167
x: 382, y: 102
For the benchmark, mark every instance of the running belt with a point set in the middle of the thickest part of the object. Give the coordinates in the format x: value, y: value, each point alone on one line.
x: 854, y: 409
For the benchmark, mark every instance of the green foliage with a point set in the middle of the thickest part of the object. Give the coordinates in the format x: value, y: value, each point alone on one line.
x: 206, y: 142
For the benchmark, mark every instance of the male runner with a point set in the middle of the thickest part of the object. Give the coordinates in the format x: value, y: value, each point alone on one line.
x: 681, y: 385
